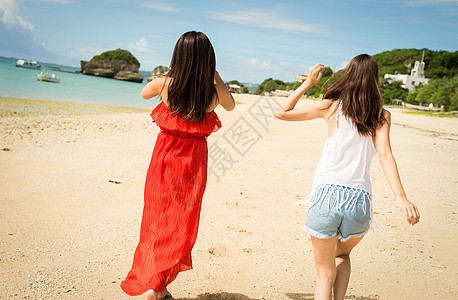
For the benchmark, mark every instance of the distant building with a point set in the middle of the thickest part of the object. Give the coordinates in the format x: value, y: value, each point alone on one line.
x: 416, y: 77
x: 234, y: 88
x: 301, y: 78
x: 281, y: 93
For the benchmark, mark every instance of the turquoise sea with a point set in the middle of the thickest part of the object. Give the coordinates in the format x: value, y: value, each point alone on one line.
x: 22, y: 83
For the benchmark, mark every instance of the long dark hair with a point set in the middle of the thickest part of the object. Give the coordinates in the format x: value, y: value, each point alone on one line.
x: 357, y: 89
x: 192, y: 71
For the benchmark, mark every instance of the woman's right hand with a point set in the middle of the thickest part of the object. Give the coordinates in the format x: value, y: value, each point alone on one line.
x: 315, y: 74
x: 410, y: 210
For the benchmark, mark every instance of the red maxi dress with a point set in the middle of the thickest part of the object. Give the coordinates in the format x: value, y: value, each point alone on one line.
x: 175, y: 184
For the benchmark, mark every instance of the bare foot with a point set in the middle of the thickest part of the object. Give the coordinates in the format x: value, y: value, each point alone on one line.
x: 164, y: 294
x: 153, y: 295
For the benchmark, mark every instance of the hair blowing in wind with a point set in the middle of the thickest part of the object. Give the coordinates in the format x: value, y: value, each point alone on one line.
x: 359, y: 93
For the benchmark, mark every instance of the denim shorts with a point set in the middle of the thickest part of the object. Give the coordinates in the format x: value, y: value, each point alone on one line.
x: 338, y: 210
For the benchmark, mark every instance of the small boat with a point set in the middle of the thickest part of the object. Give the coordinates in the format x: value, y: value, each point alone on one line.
x: 28, y: 64
x: 44, y: 76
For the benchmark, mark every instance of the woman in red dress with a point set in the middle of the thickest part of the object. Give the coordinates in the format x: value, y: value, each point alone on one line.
x: 177, y: 174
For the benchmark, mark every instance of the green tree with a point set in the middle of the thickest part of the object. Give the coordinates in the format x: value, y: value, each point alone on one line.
x: 260, y: 89
x: 392, y: 90
x: 437, y: 63
x: 269, y: 85
x: 440, y: 92
x: 296, y: 85
x: 412, y: 98
x: 327, y: 72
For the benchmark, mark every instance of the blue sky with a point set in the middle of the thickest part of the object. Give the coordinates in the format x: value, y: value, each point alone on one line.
x: 253, y: 40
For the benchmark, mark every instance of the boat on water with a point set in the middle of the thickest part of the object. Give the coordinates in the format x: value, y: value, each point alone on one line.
x: 28, y: 64
x: 44, y: 76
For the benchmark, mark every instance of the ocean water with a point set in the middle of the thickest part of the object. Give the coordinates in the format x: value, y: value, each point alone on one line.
x: 22, y: 83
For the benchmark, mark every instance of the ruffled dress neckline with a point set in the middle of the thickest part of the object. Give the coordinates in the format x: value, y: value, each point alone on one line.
x: 176, y: 125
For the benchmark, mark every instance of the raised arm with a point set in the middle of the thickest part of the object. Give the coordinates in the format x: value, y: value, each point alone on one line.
x: 224, y: 96
x: 289, y: 113
x: 390, y: 170
x: 153, y: 88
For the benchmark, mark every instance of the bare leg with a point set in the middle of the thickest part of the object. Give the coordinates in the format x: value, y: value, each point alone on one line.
x: 324, y: 254
x: 343, y: 266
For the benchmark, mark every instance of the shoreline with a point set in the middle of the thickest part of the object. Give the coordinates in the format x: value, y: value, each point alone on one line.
x: 11, y: 106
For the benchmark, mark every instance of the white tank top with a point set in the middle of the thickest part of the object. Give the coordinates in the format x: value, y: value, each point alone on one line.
x: 346, y: 157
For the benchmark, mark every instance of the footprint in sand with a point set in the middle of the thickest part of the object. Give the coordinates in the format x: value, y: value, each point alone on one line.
x: 217, y: 250
x: 237, y: 203
x: 254, y: 251
x: 241, y: 230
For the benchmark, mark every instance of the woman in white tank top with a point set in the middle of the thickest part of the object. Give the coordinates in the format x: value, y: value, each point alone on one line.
x: 340, y: 203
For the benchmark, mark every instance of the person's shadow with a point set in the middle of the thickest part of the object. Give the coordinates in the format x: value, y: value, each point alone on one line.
x: 236, y: 296
x: 308, y: 296
x: 219, y: 296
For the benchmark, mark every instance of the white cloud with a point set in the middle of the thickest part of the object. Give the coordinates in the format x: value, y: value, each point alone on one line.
x: 343, y: 64
x: 340, y: 66
x: 158, y: 5
x: 268, y: 19
x: 85, y: 52
x: 256, y: 64
x: 57, y: 1
x: 10, y: 15
x: 141, y: 45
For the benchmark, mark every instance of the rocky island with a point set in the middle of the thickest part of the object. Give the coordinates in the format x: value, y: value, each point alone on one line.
x: 158, y: 71
x: 118, y: 64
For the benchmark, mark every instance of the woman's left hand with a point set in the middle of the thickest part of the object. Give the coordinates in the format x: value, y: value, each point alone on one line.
x: 410, y: 211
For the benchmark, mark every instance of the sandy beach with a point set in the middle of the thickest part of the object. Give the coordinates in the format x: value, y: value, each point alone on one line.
x: 71, y: 198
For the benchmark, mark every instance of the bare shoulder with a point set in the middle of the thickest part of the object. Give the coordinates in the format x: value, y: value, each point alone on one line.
x: 215, y: 100
x: 387, y: 116
x: 327, y: 106
x: 323, y: 103
x: 161, y: 86
x: 384, y: 128
x: 160, y: 81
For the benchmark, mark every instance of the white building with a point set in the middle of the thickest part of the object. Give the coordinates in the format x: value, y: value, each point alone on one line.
x: 281, y: 93
x: 301, y: 78
x: 416, y: 77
